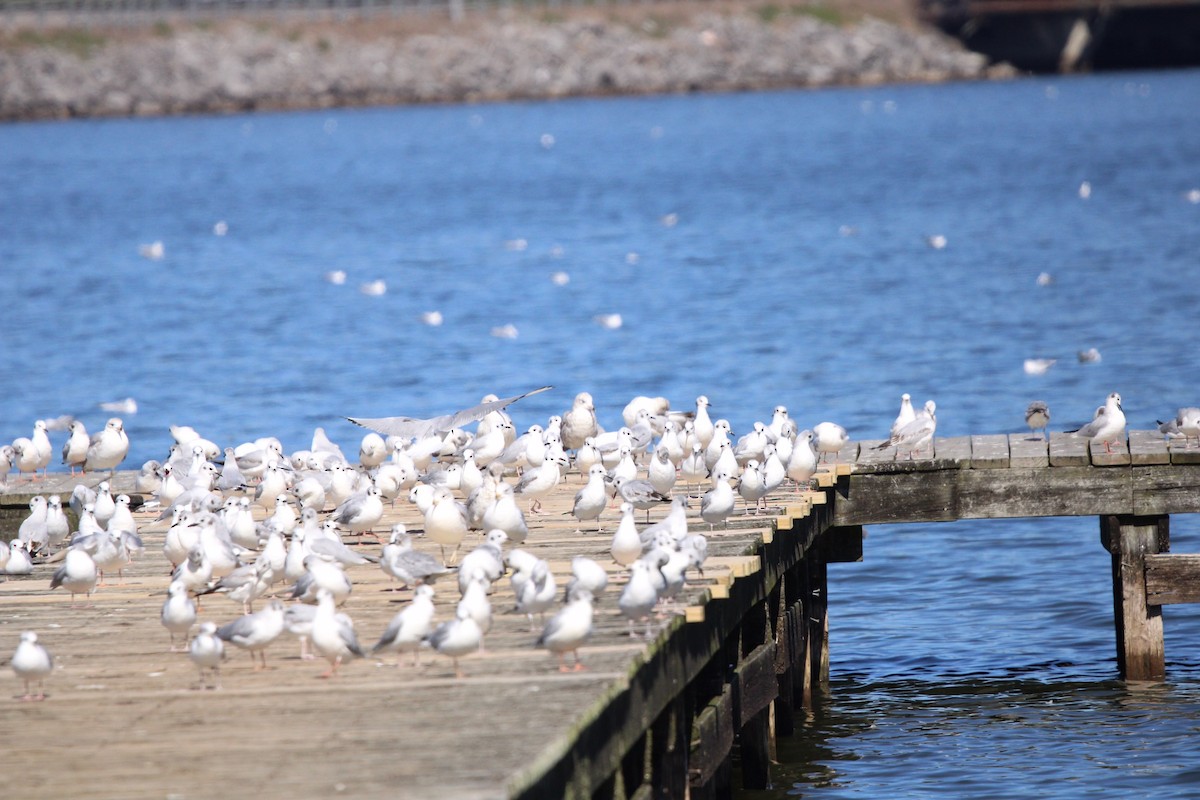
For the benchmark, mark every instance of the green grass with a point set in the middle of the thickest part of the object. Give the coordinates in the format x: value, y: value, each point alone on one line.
x: 78, y: 42
x: 771, y: 12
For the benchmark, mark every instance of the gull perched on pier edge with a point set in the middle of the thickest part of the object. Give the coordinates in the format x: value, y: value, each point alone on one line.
x: 1107, y: 425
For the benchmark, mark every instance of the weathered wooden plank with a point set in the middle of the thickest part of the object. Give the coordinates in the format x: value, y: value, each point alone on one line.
x: 848, y: 454
x: 952, y: 452
x: 977, y: 494
x: 1028, y: 452
x: 869, y: 454
x: 1113, y: 454
x: 1182, y: 453
x: 1148, y: 447
x: 712, y: 737
x: 1172, y: 578
x: 1166, y: 490
x: 754, y: 683
x: 1067, y: 450
x: 989, y: 452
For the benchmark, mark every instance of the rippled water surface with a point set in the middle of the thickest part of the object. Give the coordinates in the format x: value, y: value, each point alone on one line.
x: 760, y: 249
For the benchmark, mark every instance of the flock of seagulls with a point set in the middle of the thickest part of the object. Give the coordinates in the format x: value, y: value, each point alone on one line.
x: 261, y: 527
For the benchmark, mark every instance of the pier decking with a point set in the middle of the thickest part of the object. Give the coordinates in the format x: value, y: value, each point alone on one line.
x: 658, y: 717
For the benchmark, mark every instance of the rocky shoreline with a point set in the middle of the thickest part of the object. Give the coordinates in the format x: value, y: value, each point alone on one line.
x: 244, y: 64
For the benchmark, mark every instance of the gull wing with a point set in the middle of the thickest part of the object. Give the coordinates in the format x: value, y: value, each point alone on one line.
x: 410, y: 427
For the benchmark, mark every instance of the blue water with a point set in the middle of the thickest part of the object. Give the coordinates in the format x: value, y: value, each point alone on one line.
x: 968, y: 660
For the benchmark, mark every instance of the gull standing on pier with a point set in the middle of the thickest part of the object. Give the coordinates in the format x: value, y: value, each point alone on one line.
x: 830, y: 438
x: 1185, y: 424
x: 333, y: 634
x: 1037, y: 417
x: 207, y: 651
x: 77, y: 574
x: 916, y: 434
x: 178, y: 613
x: 567, y: 630
x: 255, y: 632
x: 592, y: 498
x: 409, y: 627
x: 717, y: 503
x: 639, y: 596
x: 457, y: 638
x: 74, y: 451
x: 579, y: 423
x: 702, y: 424
x: 906, y: 415
x: 802, y: 463
x: 446, y: 523
x: 626, y: 543
x: 31, y: 662
x: 1108, y: 424
x: 108, y: 448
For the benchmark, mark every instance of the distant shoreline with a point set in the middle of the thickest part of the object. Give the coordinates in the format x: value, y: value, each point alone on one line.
x: 189, y: 67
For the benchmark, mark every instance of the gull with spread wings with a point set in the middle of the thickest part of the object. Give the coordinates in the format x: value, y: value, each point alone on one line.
x: 408, y: 427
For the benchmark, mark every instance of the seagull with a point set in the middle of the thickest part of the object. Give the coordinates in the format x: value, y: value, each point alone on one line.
x: 74, y: 451
x: 31, y: 662
x: 410, y: 428
x: 360, y: 511
x: 1185, y: 424
x: 580, y: 422
x: 592, y: 498
x: 536, y: 482
x: 717, y: 503
x: 906, y: 414
x: 19, y: 562
x: 207, y: 651
x: 568, y: 629
x: 457, y: 638
x: 702, y: 425
x: 626, y: 543
x: 446, y: 523
x: 639, y: 596
x: 1037, y: 417
x: 537, y: 594
x: 916, y: 434
x: 77, y: 574
x: 586, y: 573
x: 802, y: 463
x: 641, y: 494
x: 410, y: 626
x: 1108, y: 424
x: 830, y: 438
x: 108, y: 448
x: 410, y: 567
x: 333, y: 634
x: 1039, y: 366
x: 178, y: 612
x: 255, y: 632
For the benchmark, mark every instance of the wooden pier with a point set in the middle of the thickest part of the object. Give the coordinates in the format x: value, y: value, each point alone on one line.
x: 665, y: 717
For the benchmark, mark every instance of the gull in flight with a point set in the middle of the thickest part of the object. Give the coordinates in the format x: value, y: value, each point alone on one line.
x: 411, y: 427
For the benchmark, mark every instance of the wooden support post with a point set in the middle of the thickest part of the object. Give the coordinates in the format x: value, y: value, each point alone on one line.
x: 818, y: 624
x: 633, y: 767
x: 755, y: 741
x: 670, y: 742
x: 1139, y: 626
x: 785, y: 721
